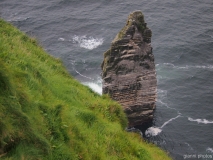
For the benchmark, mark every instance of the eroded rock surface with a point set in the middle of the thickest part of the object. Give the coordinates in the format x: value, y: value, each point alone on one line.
x: 128, y: 71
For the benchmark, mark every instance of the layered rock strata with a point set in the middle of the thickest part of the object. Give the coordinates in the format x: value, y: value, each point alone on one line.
x: 128, y: 71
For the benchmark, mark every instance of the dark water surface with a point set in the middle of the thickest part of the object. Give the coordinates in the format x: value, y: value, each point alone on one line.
x: 79, y: 32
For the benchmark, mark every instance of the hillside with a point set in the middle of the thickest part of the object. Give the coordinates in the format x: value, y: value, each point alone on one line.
x: 46, y: 114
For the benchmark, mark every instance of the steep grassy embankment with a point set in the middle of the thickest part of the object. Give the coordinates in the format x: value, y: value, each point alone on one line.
x: 46, y: 114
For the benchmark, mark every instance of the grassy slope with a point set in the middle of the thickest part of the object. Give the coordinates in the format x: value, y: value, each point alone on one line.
x: 46, y: 114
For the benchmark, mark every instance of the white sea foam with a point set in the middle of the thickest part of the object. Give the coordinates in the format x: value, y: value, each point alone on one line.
x: 61, y: 39
x: 162, y: 93
x: 196, y: 67
x: 153, y: 131
x: 169, y: 65
x: 82, y: 74
x: 189, y: 66
x: 87, y: 42
x: 209, y: 150
x: 18, y: 19
x: 95, y: 87
x: 190, y: 147
x: 166, y: 105
x: 204, y: 121
x: 204, y: 67
x: 162, y: 103
x: 170, y: 121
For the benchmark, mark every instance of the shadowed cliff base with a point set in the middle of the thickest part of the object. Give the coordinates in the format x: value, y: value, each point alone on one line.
x: 128, y: 71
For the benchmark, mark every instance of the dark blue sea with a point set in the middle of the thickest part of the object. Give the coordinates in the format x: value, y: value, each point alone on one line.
x: 79, y: 32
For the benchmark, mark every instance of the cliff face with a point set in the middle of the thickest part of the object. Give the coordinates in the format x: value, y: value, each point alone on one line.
x: 128, y: 71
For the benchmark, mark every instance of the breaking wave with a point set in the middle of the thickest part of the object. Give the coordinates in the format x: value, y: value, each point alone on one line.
x: 94, y: 84
x: 95, y: 87
x: 204, y: 121
x: 154, y: 131
x: 87, y: 42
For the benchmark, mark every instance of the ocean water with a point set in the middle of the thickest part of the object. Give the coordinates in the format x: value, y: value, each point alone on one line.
x: 79, y: 32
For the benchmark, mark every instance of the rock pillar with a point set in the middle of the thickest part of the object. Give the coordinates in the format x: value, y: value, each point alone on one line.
x: 128, y: 71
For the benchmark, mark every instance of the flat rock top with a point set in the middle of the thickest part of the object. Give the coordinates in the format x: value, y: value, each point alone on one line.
x: 128, y: 70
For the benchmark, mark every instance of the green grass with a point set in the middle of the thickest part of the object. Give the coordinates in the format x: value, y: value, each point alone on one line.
x: 134, y: 17
x: 47, y: 114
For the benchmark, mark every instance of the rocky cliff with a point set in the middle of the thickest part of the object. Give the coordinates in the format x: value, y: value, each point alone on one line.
x: 128, y: 70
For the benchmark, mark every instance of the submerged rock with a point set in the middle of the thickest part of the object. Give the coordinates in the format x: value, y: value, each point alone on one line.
x: 128, y: 71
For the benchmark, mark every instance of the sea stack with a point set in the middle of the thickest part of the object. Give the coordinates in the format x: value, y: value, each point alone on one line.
x: 128, y: 71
